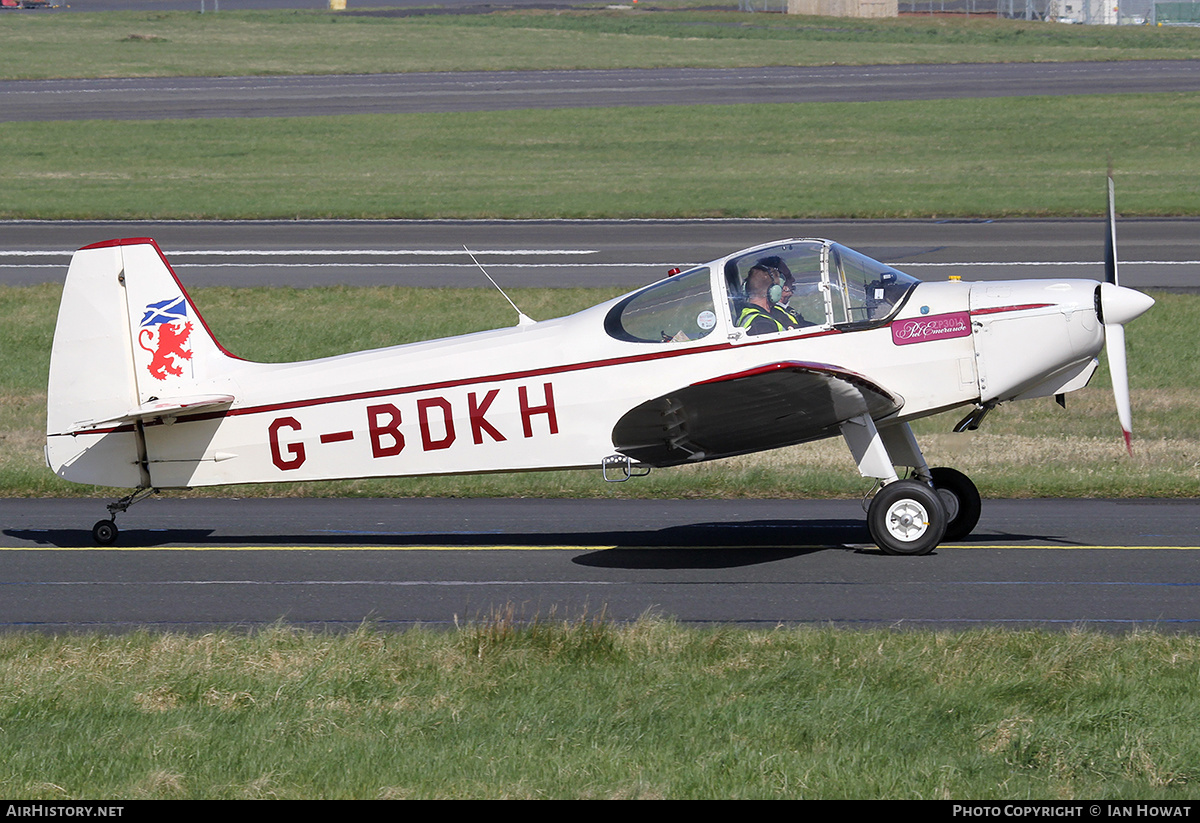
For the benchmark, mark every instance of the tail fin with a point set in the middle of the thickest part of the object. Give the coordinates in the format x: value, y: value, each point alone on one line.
x: 129, y: 344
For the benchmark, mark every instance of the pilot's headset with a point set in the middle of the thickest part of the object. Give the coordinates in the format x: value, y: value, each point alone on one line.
x: 771, y: 267
x: 775, y: 293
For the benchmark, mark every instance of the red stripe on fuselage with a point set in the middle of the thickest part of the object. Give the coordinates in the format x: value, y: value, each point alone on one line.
x: 1002, y: 309
x: 466, y: 381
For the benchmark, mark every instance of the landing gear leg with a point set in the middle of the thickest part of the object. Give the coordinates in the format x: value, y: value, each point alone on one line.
x: 105, y: 532
x: 905, y: 516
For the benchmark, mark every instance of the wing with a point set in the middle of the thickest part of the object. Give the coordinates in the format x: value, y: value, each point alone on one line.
x: 775, y: 405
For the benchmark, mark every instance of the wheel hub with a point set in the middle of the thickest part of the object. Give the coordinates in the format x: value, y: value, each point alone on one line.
x: 907, y: 520
x: 950, y: 501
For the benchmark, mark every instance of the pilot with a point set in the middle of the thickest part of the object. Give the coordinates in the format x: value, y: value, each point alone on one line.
x: 781, y: 309
x: 763, y: 291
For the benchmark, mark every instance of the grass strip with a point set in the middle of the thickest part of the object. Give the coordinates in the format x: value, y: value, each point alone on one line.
x: 164, y: 43
x: 1033, y: 156
x: 1028, y: 449
x: 544, y: 708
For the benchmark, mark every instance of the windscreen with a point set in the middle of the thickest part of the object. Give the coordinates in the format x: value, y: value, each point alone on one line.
x: 864, y: 290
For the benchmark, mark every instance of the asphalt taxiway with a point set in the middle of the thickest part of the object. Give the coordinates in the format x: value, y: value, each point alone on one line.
x: 416, y: 92
x: 197, y: 564
x: 1155, y: 253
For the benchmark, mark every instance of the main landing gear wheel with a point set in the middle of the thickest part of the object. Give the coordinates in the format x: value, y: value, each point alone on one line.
x: 104, y: 532
x: 960, y: 499
x: 906, y: 517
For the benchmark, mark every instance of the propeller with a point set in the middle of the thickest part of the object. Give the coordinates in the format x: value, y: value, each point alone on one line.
x: 1118, y: 306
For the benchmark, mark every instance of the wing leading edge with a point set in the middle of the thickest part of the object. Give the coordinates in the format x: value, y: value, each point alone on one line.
x: 779, y: 404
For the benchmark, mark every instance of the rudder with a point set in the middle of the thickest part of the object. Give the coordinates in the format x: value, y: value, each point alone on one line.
x: 127, y: 335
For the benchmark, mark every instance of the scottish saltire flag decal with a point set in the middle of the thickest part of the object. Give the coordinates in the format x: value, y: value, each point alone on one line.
x: 165, y: 311
x: 164, y: 333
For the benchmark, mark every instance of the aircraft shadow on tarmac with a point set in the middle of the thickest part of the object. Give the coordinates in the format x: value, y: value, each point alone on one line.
x: 792, y: 534
x: 699, y: 545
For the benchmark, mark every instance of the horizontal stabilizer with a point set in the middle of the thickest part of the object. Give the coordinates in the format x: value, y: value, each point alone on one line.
x: 167, y: 408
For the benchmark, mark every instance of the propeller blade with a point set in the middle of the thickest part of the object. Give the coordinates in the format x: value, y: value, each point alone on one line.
x: 1114, y: 332
x: 1110, y: 238
x: 1117, y: 307
x: 1114, y: 347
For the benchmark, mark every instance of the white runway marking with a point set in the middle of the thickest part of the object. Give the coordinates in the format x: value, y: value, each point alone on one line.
x: 322, y: 252
x: 393, y: 258
x: 1034, y: 263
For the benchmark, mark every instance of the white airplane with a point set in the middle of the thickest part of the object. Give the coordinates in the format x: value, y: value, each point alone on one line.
x: 691, y: 368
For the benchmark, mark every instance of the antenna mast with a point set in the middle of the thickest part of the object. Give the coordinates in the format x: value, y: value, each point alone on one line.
x: 522, y: 318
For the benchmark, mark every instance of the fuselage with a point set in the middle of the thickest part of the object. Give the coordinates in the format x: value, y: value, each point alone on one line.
x: 548, y: 395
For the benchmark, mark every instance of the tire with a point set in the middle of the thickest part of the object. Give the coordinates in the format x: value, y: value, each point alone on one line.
x: 960, y: 499
x: 906, y: 517
x: 104, y: 532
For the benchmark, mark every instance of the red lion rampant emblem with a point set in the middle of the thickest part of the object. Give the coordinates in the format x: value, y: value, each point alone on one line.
x: 169, y: 353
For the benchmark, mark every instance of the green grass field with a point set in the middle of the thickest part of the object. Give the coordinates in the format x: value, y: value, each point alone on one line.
x: 593, y: 711
x: 1038, y: 156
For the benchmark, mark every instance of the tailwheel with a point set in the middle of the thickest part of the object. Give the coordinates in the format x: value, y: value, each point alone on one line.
x: 960, y: 499
x: 104, y: 533
x: 906, y: 517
